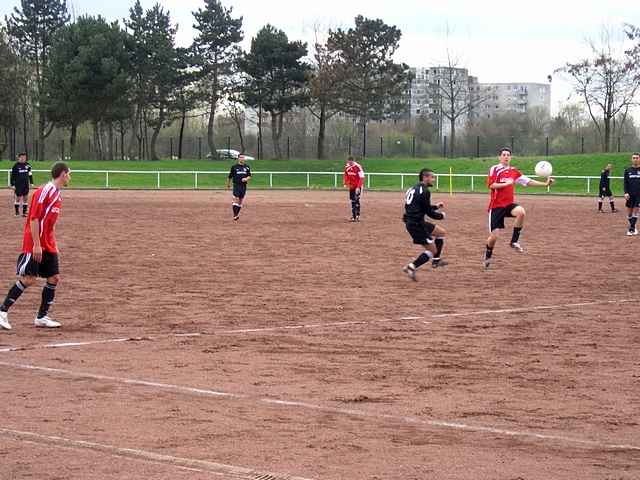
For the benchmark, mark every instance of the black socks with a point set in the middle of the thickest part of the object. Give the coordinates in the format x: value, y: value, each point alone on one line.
x: 236, y: 209
x: 13, y: 295
x: 48, y: 294
x: 488, y: 252
x: 422, y: 259
x: 516, y: 234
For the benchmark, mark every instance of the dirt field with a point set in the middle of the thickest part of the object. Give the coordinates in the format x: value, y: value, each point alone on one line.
x: 290, y: 344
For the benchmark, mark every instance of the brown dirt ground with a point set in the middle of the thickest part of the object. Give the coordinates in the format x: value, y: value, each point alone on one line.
x: 155, y: 264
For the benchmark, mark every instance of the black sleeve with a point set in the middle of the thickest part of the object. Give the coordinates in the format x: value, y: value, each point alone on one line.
x: 603, y: 181
x: 249, y: 171
x: 231, y: 173
x: 30, y: 174
x: 626, y: 181
x: 432, y: 210
x: 12, y: 181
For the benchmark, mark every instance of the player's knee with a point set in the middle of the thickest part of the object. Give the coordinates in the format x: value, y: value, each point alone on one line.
x: 27, y: 281
x: 54, y: 280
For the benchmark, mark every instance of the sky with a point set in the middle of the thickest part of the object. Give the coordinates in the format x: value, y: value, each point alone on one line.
x: 497, y: 40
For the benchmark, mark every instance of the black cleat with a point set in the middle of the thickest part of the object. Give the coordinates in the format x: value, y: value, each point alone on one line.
x: 439, y: 263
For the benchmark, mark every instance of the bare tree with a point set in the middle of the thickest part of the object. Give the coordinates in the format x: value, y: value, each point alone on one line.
x: 457, y: 94
x: 325, y: 88
x: 607, y: 82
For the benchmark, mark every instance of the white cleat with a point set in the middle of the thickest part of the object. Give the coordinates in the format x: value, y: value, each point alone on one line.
x: 410, y: 270
x: 4, y: 320
x: 635, y: 232
x: 46, y: 322
x: 631, y: 233
x: 517, y: 247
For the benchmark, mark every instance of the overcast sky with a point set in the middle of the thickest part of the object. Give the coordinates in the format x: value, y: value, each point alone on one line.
x: 498, y: 40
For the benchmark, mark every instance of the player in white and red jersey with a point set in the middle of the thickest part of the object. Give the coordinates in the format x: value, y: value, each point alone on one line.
x: 501, y: 181
x: 39, y: 257
x: 354, y: 181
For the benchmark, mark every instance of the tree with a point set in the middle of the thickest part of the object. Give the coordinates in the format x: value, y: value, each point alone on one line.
x: 31, y: 29
x: 374, y: 86
x: 607, y: 83
x: 87, y: 77
x: 325, y: 90
x: 458, y: 96
x: 276, y: 77
x: 155, y: 72
x: 186, y: 98
x: 216, y: 49
x: 10, y: 92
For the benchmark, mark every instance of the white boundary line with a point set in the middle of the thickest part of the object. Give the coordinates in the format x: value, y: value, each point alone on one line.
x: 522, y: 434
x: 316, y: 325
x: 203, y: 466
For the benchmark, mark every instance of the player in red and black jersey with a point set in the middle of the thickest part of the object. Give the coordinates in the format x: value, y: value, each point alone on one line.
x: 39, y: 257
x: 501, y: 181
x: 354, y: 181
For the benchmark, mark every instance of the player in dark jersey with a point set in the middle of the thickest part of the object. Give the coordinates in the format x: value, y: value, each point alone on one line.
x: 632, y: 192
x: 39, y: 257
x: 605, y: 189
x: 431, y: 237
x: 21, y: 179
x: 240, y: 174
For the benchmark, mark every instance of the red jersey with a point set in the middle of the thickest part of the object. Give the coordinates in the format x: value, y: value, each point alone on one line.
x: 503, y: 197
x: 45, y: 207
x: 353, y: 176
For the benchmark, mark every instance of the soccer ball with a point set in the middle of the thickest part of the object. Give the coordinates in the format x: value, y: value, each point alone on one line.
x: 543, y: 169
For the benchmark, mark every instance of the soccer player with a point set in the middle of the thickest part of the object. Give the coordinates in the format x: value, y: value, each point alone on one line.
x: 605, y: 189
x: 417, y: 205
x: 21, y: 178
x: 501, y: 182
x: 354, y: 181
x: 39, y: 257
x: 632, y: 192
x: 240, y: 174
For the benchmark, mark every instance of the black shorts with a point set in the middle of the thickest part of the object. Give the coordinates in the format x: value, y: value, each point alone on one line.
x: 633, y: 202
x: 22, y: 191
x: 421, y: 232
x: 28, y: 267
x: 354, y: 195
x: 606, y: 193
x: 239, y: 190
x: 497, y: 216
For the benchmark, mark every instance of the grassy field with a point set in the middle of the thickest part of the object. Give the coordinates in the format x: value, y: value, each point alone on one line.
x: 578, y: 165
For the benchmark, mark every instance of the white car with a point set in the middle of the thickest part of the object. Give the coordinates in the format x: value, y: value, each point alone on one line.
x: 230, y: 153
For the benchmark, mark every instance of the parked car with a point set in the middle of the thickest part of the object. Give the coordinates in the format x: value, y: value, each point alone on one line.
x: 230, y: 154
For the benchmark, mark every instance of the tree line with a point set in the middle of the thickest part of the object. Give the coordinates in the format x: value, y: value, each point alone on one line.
x: 126, y: 81
x: 129, y: 80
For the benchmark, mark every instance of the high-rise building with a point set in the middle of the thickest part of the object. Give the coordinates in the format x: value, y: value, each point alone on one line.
x: 499, y: 98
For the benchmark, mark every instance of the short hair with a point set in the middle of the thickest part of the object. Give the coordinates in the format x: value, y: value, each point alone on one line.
x: 22, y: 154
x: 505, y: 149
x: 350, y: 159
x: 58, y: 169
x: 424, y: 172
x: 635, y: 154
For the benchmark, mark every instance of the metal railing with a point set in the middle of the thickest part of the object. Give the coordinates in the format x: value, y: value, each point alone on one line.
x: 168, y: 179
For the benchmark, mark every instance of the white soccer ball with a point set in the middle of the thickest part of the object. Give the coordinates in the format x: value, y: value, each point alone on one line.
x: 544, y: 169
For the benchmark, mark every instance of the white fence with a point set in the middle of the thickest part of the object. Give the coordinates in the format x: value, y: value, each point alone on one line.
x: 186, y: 180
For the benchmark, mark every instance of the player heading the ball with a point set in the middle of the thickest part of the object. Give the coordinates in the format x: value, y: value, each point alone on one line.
x: 501, y: 182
